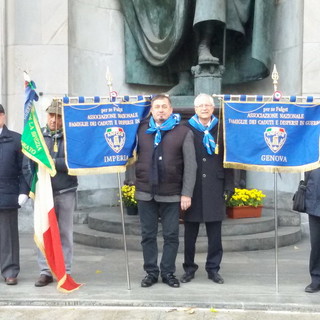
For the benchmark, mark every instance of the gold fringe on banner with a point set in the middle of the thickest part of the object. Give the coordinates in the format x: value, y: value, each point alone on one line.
x: 273, y: 169
x: 102, y: 170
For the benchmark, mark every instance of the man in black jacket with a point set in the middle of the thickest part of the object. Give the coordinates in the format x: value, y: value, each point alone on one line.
x: 213, y: 184
x: 13, y: 193
x: 165, y: 177
x: 64, y: 189
x: 312, y: 202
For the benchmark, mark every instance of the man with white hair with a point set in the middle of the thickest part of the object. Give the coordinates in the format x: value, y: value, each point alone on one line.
x: 213, y: 185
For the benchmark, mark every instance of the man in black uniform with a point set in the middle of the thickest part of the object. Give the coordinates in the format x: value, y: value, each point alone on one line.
x: 13, y: 193
x: 213, y: 184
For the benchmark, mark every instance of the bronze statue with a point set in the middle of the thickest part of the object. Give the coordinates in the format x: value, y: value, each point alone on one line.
x: 164, y: 39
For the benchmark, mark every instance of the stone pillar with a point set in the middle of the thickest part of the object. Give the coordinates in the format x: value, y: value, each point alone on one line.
x: 207, y: 78
x: 3, y: 59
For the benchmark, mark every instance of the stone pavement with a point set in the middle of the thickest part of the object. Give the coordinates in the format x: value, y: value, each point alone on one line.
x: 249, y: 289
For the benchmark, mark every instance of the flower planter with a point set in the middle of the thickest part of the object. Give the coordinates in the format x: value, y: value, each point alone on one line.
x: 132, y: 211
x: 128, y: 197
x: 244, y: 212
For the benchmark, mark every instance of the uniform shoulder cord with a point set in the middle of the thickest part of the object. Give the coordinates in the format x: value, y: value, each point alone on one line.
x: 216, y: 151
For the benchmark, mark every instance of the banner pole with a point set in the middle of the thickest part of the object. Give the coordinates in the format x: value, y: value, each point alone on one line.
x: 276, y: 231
x: 124, y: 234
x: 275, y: 78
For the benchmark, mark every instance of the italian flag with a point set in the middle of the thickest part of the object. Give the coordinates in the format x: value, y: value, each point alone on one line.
x: 46, y: 229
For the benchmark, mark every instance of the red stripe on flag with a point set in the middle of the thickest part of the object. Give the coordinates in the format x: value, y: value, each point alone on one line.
x: 54, y: 255
x: 69, y: 284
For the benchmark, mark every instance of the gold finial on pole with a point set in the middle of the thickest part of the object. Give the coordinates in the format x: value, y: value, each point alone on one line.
x: 109, y: 80
x: 275, y: 78
x: 112, y: 94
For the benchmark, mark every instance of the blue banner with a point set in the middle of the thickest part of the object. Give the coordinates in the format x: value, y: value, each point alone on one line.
x: 271, y: 136
x: 101, y: 137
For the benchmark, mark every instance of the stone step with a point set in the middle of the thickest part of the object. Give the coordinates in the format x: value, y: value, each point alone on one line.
x: 109, y: 220
x: 258, y: 241
x: 104, y: 229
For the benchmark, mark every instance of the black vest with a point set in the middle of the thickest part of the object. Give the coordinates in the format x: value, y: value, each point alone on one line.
x: 160, y: 170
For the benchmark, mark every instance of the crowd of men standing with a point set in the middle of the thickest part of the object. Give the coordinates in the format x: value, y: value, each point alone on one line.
x: 179, y: 172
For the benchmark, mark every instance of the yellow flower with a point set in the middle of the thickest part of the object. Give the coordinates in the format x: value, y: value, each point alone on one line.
x: 128, y: 195
x: 246, y: 197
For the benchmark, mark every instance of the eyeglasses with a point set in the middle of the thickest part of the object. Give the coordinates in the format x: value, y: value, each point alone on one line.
x: 205, y: 106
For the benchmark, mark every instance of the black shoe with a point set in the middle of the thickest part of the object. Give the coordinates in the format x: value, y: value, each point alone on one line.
x: 215, y: 277
x: 148, y: 281
x: 43, y: 280
x: 11, y: 281
x: 187, y: 277
x: 311, y: 288
x: 171, y: 280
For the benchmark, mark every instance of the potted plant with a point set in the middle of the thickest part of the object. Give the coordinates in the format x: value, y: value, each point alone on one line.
x: 128, y: 197
x: 245, y: 203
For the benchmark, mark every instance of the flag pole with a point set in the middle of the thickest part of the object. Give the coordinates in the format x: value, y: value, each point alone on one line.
x: 112, y: 94
x: 276, y: 230
x: 275, y: 78
x: 124, y: 234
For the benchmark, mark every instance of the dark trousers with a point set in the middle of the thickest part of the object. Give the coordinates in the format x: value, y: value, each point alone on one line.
x: 214, y: 256
x: 9, y: 243
x: 149, y: 212
x: 314, y: 262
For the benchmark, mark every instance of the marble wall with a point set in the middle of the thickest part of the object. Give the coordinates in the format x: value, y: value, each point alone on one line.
x: 311, y: 48
x: 94, y: 49
x: 37, y: 41
x: 3, y: 56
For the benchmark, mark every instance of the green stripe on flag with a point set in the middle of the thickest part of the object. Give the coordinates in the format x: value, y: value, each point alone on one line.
x: 34, y: 145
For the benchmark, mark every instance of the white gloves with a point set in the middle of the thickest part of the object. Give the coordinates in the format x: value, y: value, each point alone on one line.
x: 22, y: 199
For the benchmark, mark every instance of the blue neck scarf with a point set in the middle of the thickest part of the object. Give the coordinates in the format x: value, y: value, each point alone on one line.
x: 168, y: 125
x: 208, y: 140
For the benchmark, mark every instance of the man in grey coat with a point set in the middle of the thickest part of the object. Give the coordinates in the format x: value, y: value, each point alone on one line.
x: 64, y: 188
x: 13, y: 193
x: 213, y: 184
